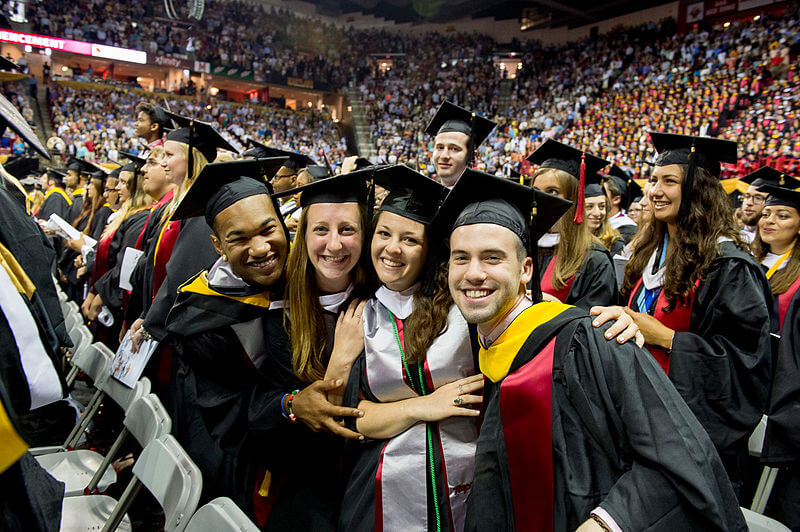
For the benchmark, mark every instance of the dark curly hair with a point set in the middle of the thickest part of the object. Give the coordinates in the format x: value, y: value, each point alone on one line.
x: 696, y: 240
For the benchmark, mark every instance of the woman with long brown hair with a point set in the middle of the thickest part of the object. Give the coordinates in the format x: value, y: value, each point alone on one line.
x: 574, y: 267
x: 414, y: 379
x: 699, y: 299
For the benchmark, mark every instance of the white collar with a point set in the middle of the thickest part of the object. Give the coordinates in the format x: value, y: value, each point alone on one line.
x: 221, y: 275
x: 770, y: 260
x: 655, y: 280
x: 332, y: 302
x: 401, y: 304
x: 549, y: 240
x: 489, y: 339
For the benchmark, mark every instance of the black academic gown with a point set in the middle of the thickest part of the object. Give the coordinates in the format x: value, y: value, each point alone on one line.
x: 75, y: 208
x: 617, y: 247
x: 782, y: 438
x: 722, y: 366
x: 107, y: 286
x: 627, y: 231
x: 54, y: 204
x: 192, y: 253
x: 66, y: 263
x: 34, y: 252
x: 622, y: 439
x: 226, y: 409
x: 595, y: 283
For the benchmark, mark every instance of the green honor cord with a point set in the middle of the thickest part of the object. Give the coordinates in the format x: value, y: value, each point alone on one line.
x: 427, y: 425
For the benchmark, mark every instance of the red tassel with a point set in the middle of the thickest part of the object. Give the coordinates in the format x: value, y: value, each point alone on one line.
x: 581, y: 191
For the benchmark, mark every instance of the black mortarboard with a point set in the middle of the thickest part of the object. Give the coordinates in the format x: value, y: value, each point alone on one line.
x: 577, y: 163
x: 81, y: 166
x: 411, y: 194
x: 200, y: 135
x: 116, y: 171
x: 450, y: 117
x: 220, y: 185
x: 781, y: 196
x: 317, y: 171
x: 295, y: 160
x: 627, y: 186
x: 479, y: 197
x: 21, y: 166
x: 705, y: 152
x: 767, y: 175
x: 11, y: 118
x: 344, y: 188
x: 361, y: 163
x: 55, y: 173
x: 709, y: 152
x: 8, y: 64
x: 162, y: 118
x: 135, y: 159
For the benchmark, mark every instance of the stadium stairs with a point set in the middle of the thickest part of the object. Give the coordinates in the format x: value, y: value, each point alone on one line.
x: 366, y: 148
x: 504, y: 99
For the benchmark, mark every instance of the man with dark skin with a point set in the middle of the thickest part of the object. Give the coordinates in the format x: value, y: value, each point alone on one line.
x: 149, y: 124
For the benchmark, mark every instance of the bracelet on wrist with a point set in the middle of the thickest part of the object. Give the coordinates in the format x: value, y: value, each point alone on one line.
x: 289, y: 401
x: 602, y: 524
x: 145, y: 335
x: 283, y: 410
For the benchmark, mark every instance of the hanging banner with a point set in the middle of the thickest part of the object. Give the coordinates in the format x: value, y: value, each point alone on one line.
x: 75, y: 47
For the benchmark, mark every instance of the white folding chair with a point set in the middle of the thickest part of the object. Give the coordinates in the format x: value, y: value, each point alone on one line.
x: 81, y: 341
x: 83, y: 471
x: 768, y: 474
x: 95, y: 361
x: 165, y: 470
x: 72, y: 320
x: 72, y: 307
x: 220, y: 515
x: 761, y: 523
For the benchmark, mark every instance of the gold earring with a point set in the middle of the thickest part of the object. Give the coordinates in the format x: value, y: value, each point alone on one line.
x: 224, y: 257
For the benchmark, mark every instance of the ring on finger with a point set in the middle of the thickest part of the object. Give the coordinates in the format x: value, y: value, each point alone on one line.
x: 460, y: 389
x: 458, y: 400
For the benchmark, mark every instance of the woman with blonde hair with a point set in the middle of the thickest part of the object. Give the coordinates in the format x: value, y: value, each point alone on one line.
x: 181, y: 248
x: 596, y: 214
x: 574, y: 267
x: 120, y: 234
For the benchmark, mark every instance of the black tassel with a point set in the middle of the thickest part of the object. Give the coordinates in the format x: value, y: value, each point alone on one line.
x: 686, y: 189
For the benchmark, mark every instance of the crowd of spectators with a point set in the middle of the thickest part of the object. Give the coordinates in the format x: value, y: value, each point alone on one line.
x: 95, y: 122
x: 17, y: 92
x: 603, y: 93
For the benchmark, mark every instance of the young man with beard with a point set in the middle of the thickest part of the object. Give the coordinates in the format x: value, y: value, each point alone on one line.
x: 753, y: 200
x: 577, y: 432
x: 457, y: 134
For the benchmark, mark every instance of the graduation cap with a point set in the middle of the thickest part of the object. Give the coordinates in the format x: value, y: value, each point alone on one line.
x: 220, y: 185
x: 479, y: 198
x: 705, y: 152
x: 197, y: 134
x: 450, y: 117
x: 345, y: 188
x: 317, y: 171
x: 134, y: 159
x: 628, y: 188
x: 781, y: 196
x: 81, y: 166
x: 162, y: 118
x: 22, y: 166
x: 295, y: 161
x: 8, y: 64
x: 362, y: 163
x: 412, y: 195
x: 11, y: 117
x: 766, y: 175
x: 575, y: 162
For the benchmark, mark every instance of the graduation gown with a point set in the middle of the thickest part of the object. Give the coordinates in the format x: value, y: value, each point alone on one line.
x: 191, y: 253
x: 721, y: 360
x: 107, y: 283
x: 625, y: 225
x: 57, y: 202
x: 34, y: 252
x: 233, y: 366
x: 385, y: 488
x: 220, y: 342
x: 579, y: 423
x: 76, y: 205
x: 594, y: 284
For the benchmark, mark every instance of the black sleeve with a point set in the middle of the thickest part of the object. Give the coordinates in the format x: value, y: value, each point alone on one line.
x: 595, y: 283
x: 723, y: 367
x: 782, y: 440
x: 627, y: 232
x: 107, y: 286
x: 674, y: 473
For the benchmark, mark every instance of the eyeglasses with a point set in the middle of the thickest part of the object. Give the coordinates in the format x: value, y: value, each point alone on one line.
x: 635, y: 209
x: 757, y: 200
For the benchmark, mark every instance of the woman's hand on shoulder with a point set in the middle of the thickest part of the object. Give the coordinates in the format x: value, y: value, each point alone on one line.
x: 624, y: 328
x: 348, y: 341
